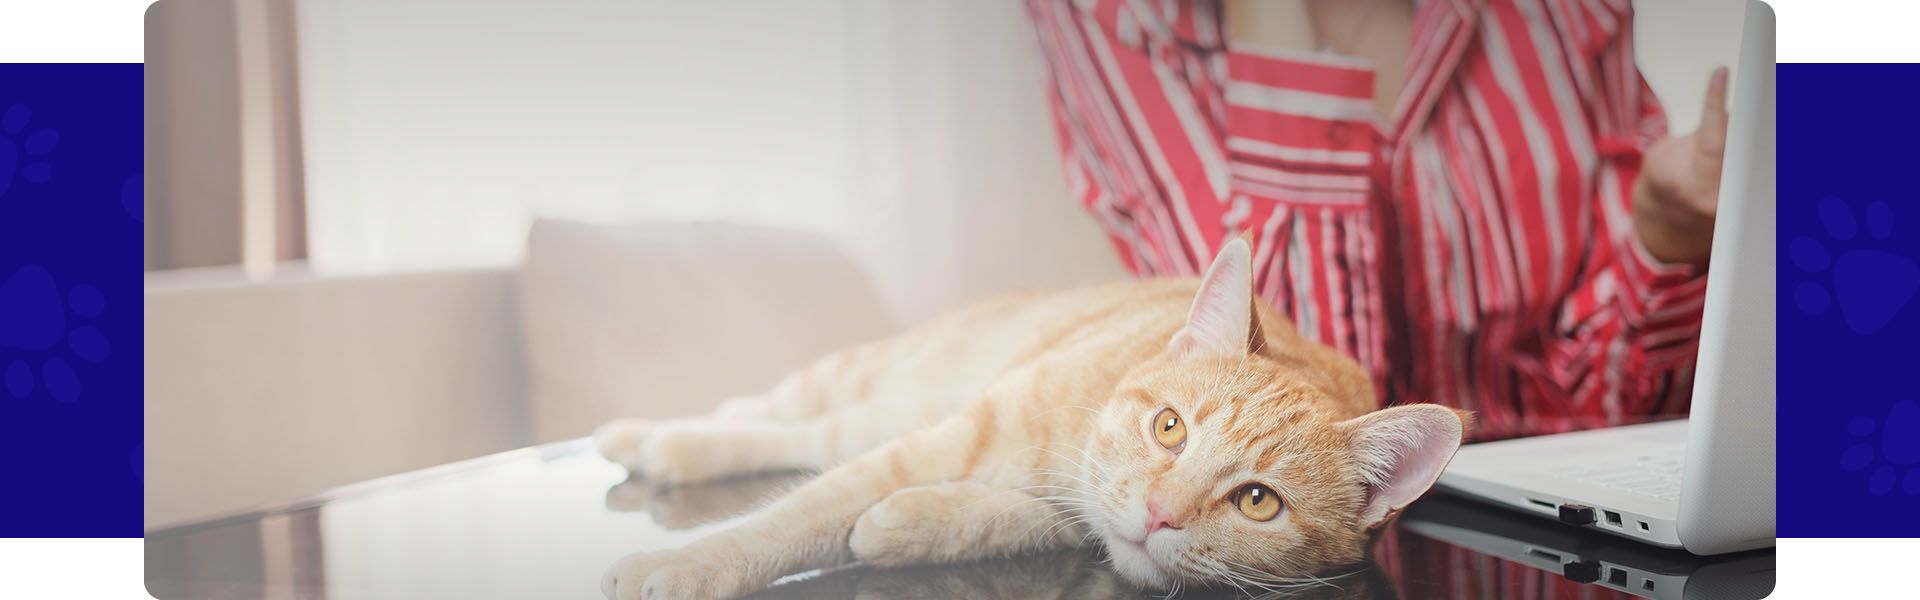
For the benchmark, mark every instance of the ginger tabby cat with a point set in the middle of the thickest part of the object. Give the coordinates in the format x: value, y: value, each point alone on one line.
x: 1178, y: 423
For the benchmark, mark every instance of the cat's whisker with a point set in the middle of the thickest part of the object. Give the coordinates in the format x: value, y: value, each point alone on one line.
x: 1089, y: 410
x: 1068, y: 459
x: 1193, y: 561
x: 1090, y: 485
x: 1227, y: 576
x: 1093, y: 466
x: 1268, y: 588
x: 1253, y: 574
x: 1049, y: 486
x: 1269, y: 585
x: 1236, y: 583
x: 992, y: 496
x: 1059, y: 500
x: 1050, y: 526
x: 1056, y: 500
x: 1314, y: 453
x: 1084, y: 453
x: 1096, y: 471
x: 1064, y: 526
x: 1065, y: 508
x: 1083, y: 466
x: 1010, y: 510
x: 1022, y: 489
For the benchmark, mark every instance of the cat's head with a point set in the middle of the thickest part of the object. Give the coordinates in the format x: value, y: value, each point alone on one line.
x: 1229, y: 457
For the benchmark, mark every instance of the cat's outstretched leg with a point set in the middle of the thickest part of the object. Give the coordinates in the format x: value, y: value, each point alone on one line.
x: 835, y: 381
x: 806, y: 529
x: 705, y: 449
x: 963, y: 521
x: 622, y: 440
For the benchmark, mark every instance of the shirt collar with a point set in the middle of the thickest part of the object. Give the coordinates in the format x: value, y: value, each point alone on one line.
x: 1442, y: 31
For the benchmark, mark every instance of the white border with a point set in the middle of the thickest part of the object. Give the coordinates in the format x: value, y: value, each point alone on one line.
x: 111, y: 31
x: 73, y: 568
x: 73, y: 31
x: 1845, y: 30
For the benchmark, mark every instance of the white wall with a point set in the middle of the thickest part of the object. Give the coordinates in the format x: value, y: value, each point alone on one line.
x: 914, y: 131
x: 436, y: 125
x: 1679, y: 43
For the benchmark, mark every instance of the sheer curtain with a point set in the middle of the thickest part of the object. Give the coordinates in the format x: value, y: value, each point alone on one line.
x: 915, y: 132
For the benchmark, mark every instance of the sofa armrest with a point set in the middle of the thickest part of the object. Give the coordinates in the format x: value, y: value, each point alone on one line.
x: 259, y: 392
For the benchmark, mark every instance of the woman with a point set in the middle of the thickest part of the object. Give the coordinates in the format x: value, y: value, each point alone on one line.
x: 1475, y: 198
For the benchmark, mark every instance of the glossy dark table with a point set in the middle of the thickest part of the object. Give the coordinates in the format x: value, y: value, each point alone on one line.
x: 544, y: 522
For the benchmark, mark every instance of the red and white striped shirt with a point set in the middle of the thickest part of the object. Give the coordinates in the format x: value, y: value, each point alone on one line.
x: 1474, y: 250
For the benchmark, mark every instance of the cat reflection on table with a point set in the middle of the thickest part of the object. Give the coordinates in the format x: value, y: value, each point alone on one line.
x: 1179, y: 426
x: 1067, y: 575
x: 686, y: 506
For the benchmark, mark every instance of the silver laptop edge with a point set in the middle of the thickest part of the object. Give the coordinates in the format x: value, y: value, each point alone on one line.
x: 1727, y: 500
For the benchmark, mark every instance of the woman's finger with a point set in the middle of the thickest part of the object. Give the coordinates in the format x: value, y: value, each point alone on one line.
x: 1712, y: 135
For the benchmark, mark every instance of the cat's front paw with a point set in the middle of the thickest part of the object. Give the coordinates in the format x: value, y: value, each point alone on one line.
x: 663, y: 576
x: 663, y: 451
x: 958, y: 521
x: 623, y: 441
x: 906, y: 527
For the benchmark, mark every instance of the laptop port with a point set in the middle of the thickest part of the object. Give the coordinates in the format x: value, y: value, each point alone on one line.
x: 1647, y: 585
x: 1643, y: 525
x: 1576, y: 514
x: 1613, y: 518
x: 1617, y: 577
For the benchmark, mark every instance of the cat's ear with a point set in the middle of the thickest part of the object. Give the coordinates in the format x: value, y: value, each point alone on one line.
x: 1222, y: 320
x: 1401, y: 451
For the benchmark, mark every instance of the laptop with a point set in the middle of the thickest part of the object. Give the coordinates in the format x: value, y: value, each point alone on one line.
x: 1590, y: 559
x: 1704, y: 484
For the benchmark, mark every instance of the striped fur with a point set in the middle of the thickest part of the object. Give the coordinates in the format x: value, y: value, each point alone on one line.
x: 1022, y: 425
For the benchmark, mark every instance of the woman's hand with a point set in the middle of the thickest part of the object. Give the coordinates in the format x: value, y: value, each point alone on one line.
x: 1679, y: 186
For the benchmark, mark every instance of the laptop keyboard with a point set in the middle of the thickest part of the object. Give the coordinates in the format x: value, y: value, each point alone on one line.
x: 1655, y: 475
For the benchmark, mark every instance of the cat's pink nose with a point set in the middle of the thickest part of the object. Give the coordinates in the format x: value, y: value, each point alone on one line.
x: 1159, y: 518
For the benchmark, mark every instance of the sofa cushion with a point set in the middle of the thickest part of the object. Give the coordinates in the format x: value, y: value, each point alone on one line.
x: 667, y: 319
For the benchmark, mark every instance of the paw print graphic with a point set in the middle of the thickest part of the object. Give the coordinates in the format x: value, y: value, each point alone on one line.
x: 1869, y: 286
x: 133, y: 196
x: 34, y: 319
x: 1884, y: 448
x: 22, y: 151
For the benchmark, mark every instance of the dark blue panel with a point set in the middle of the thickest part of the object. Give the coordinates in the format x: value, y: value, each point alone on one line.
x: 70, y: 300
x: 1849, y: 336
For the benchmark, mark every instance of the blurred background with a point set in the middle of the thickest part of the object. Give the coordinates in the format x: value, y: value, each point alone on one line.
x: 388, y: 234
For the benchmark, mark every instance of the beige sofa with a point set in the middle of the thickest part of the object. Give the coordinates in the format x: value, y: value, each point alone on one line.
x: 260, y: 391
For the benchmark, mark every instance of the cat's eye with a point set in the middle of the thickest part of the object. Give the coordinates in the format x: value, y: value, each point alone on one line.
x: 1258, y: 502
x: 1169, y: 430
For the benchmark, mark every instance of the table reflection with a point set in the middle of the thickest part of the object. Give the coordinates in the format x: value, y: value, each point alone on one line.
x: 686, y: 506
x: 1064, y: 575
x: 545, y: 522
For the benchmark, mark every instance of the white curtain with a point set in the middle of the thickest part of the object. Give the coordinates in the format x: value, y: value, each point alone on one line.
x: 915, y: 132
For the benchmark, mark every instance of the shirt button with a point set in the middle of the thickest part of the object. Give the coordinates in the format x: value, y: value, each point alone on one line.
x: 1339, y: 135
